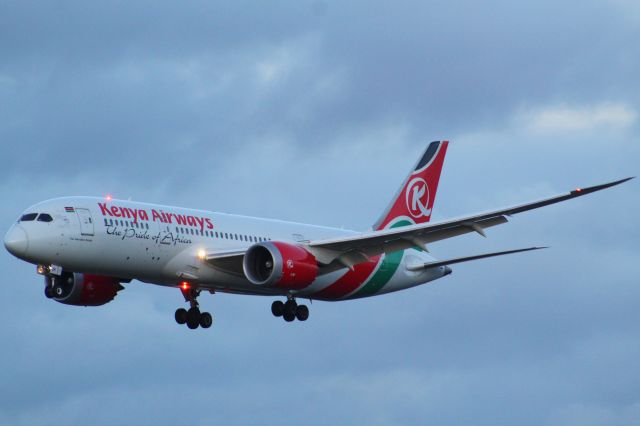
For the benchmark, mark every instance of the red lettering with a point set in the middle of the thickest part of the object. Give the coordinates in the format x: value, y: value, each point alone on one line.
x: 125, y: 212
x: 191, y: 221
x: 104, y: 210
x: 209, y: 223
x: 115, y: 211
x: 134, y: 212
x: 156, y: 216
x: 200, y: 222
x: 182, y: 220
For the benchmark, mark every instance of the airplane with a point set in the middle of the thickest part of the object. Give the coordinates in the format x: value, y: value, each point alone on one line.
x: 87, y: 247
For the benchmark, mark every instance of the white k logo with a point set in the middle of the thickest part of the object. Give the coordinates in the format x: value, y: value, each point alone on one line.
x: 417, y: 197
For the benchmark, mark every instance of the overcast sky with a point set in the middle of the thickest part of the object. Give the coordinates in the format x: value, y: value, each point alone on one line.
x: 314, y: 111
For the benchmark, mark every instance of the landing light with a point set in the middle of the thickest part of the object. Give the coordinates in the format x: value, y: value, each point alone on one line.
x: 202, y: 254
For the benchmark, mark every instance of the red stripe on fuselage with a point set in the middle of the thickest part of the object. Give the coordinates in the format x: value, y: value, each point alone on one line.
x: 349, y: 282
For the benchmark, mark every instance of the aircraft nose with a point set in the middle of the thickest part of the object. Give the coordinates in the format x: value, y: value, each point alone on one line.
x: 16, y: 241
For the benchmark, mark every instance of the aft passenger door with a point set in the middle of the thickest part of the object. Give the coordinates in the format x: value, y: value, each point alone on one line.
x: 86, y: 222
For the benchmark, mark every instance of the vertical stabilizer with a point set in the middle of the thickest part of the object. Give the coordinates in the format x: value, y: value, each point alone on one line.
x: 415, y: 198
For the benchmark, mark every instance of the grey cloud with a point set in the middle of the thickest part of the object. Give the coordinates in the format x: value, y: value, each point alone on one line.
x: 313, y: 112
x: 165, y: 82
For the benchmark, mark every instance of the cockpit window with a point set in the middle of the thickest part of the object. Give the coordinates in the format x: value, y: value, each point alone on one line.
x: 45, y: 217
x: 28, y: 217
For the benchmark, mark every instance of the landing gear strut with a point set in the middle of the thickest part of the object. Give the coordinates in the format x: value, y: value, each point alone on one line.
x: 193, y: 317
x: 290, y: 310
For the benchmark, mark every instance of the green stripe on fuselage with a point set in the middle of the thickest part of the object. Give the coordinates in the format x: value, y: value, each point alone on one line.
x: 389, y: 266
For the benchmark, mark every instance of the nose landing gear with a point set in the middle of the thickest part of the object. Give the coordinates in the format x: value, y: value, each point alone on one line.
x: 290, y: 310
x: 56, y: 286
x: 192, y: 317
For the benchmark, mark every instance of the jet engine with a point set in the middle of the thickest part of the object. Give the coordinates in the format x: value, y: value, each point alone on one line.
x: 281, y: 265
x: 77, y: 289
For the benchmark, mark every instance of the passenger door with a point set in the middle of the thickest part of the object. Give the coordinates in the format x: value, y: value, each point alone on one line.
x: 86, y: 222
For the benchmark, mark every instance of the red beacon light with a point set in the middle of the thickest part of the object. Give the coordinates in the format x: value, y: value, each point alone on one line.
x: 108, y: 197
x: 184, y: 285
x: 578, y: 189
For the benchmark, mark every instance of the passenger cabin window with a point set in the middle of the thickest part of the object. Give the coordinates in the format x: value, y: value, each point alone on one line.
x: 45, y: 217
x: 28, y: 217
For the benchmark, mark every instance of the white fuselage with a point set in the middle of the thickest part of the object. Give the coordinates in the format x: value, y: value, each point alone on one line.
x: 161, y: 245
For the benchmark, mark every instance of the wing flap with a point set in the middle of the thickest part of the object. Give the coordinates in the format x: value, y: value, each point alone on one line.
x: 401, y: 239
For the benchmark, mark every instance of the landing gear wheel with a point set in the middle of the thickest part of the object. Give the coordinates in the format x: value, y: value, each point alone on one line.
x: 277, y: 308
x: 193, y: 318
x: 289, y: 312
x: 192, y: 324
x: 48, y: 292
x: 290, y: 306
x: 206, y: 320
x: 288, y: 316
x: 302, y: 312
x: 181, y: 316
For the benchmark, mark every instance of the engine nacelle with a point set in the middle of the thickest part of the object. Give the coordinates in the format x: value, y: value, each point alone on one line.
x: 72, y: 288
x: 277, y: 264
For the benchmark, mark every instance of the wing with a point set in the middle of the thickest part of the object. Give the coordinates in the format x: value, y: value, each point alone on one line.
x: 226, y: 261
x: 349, y: 251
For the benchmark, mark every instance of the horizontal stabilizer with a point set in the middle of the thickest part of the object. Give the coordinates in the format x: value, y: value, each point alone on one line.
x: 468, y: 258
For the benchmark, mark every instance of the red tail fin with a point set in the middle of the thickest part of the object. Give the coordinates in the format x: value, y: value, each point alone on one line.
x: 415, y: 198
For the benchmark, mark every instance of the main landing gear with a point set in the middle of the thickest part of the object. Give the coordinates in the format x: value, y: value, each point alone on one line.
x: 193, y: 317
x: 290, y: 310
